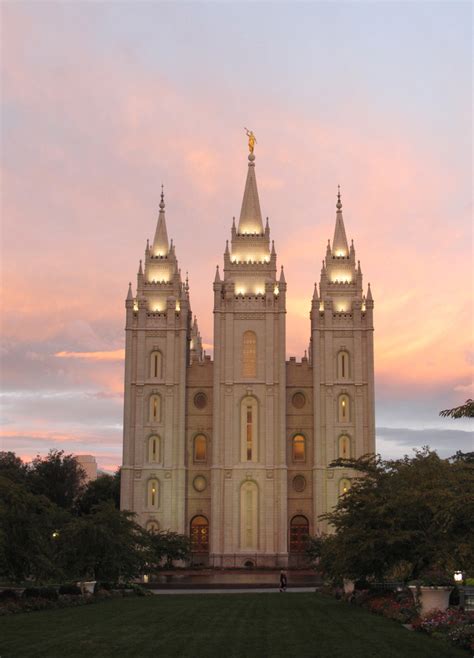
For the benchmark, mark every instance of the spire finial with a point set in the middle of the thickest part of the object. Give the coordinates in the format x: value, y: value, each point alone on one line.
x: 162, y: 202
x: 339, y: 204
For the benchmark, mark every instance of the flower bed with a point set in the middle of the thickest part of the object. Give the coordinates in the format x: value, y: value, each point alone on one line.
x: 455, y: 624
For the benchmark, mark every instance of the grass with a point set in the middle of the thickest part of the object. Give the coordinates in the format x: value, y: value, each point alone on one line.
x: 217, y: 625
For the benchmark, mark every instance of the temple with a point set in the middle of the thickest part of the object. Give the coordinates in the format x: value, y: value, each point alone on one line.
x: 235, y: 451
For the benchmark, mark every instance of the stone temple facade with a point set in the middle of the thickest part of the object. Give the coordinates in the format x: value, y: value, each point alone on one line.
x: 234, y: 451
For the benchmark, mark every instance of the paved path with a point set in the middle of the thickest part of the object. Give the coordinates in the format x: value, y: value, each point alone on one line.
x: 262, y: 590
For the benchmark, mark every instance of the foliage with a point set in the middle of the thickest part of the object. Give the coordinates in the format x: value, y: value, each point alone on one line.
x: 166, y: 547
x: 104, y: 545
x: 57, y: 476
x: 27, y: 524
x: 13, y: 468
x: 465, y: 410
x: 105, y: 487
x: 400, y: 607
x: 417, y: 510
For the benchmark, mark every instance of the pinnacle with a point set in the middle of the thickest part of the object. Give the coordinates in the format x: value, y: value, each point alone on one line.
x: 160, y: 243
x: 250, y: 221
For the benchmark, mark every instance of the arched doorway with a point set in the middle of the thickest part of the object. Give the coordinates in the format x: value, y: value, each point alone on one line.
x: 299, y: 533
x: 199, y: 535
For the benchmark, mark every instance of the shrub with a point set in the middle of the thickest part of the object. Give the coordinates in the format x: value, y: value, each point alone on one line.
x: 48, y: 593
x: 8, y: 595
x: 71, y: 589
x: 454, y: 623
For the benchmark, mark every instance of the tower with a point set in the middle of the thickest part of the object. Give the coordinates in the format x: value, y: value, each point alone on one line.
x: 158, y: 326
x: 249, y: 481
x: 343, y: 367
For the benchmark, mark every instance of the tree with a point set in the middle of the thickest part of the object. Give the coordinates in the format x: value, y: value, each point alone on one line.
x: 104, y: 488
x: 28, y: 532
x: 413, y: 512
x: 57, y: 476
x: 465, y: 410
x: 12, y: 467
x: 166, y: 547
x: 104, y: 545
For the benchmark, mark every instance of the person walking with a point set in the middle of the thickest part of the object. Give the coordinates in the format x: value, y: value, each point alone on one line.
x: 283, y: 581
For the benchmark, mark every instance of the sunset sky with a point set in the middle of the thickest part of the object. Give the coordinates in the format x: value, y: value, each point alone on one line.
x: 103, y: 102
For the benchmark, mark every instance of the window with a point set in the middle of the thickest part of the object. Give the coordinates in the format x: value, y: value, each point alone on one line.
x: 249, y: 429
x: 343, y: 365
x: 298, y: 400
x: 155, y: 408
x: 299, y: 483
x: 200, y: 400
x: 200, y: 448
x: 154, y: 449
x: 344, y: 486
x: 156, y: 364
x: 344, y: 409
x: 153, y: 526
x: 249, y: 354
x: 199, y: 534
x: 344, y: 447
x: 299, y: 448
x: 249, y: 515
x: 153, y: 494
x: 299, y: 533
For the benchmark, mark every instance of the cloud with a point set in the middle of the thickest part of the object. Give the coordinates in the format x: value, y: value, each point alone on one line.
x: 393, y: 442
x: 113, y: 355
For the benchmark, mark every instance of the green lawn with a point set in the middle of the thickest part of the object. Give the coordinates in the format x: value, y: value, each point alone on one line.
x: 220, y: 625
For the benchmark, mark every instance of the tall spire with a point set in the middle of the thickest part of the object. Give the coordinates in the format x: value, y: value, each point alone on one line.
x: 339, y: 243
x: 160, y: 243
x: 250, y: 221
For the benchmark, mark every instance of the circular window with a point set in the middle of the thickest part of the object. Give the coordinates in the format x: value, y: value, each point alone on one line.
x: 199, y: 483
x: 200, y: 400
x: 299, y: 400
x: 299, y: 483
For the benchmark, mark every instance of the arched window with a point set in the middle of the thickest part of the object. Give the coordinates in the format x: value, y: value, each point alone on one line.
x: 153, y: 526
x: 154, y: 449
x: 153, y: 494
x: 299, y: 448
x: 344, y: 486
x: 200, y: 448
x: 199, y: 532
x: 156, y: 363
x: 249, y: 354
x: 249, y: 515
x: 344, y: 447
x: 299, y: 533
x: 155, y: 408
x: 344, y: 408
x: 249, y: 429
x: 343, y: 365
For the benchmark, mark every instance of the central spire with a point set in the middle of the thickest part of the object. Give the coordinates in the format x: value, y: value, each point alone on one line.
x: 250, y: 221
x: 160, y: 243
x: 339, y: 243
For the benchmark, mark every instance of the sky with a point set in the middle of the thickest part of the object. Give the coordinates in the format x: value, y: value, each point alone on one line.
x: 103, y: 102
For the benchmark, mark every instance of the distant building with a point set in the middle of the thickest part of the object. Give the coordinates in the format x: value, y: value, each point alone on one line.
x: 234, y: 452
x: 89, y: 464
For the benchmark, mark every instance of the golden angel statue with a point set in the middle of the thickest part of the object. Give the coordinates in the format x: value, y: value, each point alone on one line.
x: 252, y: 140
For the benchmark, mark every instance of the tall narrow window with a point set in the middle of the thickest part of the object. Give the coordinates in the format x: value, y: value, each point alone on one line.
x: 154, y: 449
x: 344, y: 447
x: 299, y: 448
x: 249, y: 354
x: 249, y: 516
x: 155, y: 408
x: 343, y: 365
x: 155, y: 364
x: 344, y: 409
x: 249, y: 429
x: 249, y: 433
x: 344, y: 486
x: 200, y: 448
x: 153, y: 494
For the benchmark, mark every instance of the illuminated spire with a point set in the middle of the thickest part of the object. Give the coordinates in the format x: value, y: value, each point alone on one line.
x: 339, y: 243
x: 160, y: 243
x: 130, y: 294
x: 250, y: 216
